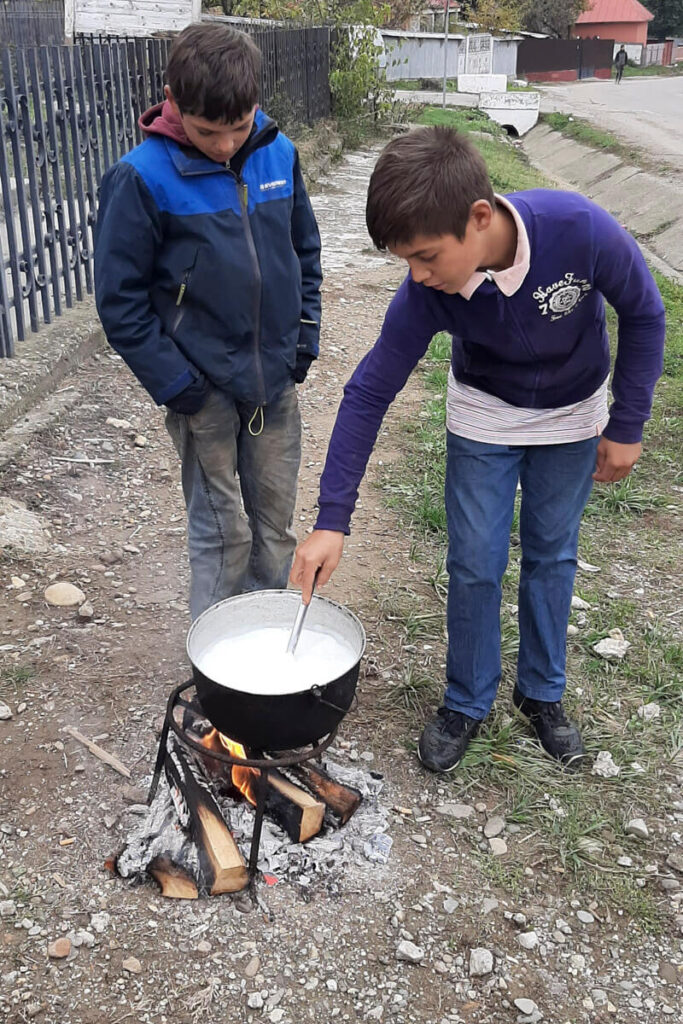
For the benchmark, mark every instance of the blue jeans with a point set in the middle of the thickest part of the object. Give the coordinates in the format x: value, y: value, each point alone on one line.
x: 240, y: 492
x: 481, y: 480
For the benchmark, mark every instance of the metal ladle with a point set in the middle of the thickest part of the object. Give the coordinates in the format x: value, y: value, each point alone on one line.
x: 299, y: 620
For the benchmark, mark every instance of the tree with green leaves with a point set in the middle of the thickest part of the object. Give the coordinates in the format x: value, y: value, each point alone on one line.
x: 553, y: 17
x: 668, y: 19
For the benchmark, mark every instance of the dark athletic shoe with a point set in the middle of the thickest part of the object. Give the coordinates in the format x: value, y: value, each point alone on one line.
x: 444, y: 740
x: 557, y: 735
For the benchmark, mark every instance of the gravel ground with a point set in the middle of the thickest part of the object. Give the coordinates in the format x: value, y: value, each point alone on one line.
x: 426, y: 937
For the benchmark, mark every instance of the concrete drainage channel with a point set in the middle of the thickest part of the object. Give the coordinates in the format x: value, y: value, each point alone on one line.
x: 649, y: 205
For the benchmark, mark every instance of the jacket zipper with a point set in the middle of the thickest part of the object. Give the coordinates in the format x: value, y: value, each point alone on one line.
x: 243, y: 193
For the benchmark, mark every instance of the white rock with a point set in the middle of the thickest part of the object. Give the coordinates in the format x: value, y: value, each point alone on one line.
x: 140, y: 441
x: 5, y: 712
x: 86, y: 610
x: 481, y: 962
x: 21, y: 530
x: 527, y: 940
x: 587, y: 567
x: 675, y: 860
x: 111, y: 421
x: 64, y: 595
x: 409, y: 952
x: 8, y: 908
x: 455, y: 810
x: 648, y: 712
x: 204, y: 946
x: 132, y: 965
x: 450, y: 905
x: 612, y: 648
x: 572, y: 630
x: 585, y: 916
x: 525, y: 1006
x: 255, y: 1001
x: 494, y: 826
x: 498, y: 847
x: 100, y: 922
x: 18, y: 583
x: 604, y: 766
x: 489, y: 905
x: 637, y: 827
x: 83, y: 938
x: 579, y: 604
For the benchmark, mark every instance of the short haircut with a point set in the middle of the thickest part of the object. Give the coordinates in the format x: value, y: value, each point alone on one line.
x: 425, y: 183
x: 213, y: 72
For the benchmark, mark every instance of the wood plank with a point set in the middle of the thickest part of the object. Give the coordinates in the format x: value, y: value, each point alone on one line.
x: 174, y: 881
x: 295, y: 810
x: 342, y: 800
x: 103, y: 755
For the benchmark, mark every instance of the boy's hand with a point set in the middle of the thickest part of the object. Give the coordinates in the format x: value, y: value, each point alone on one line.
x: 322, y: 550
x: 615, y: 461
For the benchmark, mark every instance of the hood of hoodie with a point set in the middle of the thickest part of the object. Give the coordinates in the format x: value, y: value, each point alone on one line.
x: 161, y: 119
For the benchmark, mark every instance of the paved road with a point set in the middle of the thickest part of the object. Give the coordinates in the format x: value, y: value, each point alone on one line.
x: 647, y: 112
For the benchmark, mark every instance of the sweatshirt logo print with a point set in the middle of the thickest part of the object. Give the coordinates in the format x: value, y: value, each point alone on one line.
x: 267, y: 185
x: 560, y: 298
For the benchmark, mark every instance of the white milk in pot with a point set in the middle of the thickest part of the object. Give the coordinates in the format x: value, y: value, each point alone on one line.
x: 257, y: 662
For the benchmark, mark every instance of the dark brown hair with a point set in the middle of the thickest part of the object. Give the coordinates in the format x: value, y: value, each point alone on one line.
x: 425, y: 183
x: 214, y: 72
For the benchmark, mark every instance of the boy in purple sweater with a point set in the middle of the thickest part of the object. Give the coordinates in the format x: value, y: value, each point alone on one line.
x: 518, y: 281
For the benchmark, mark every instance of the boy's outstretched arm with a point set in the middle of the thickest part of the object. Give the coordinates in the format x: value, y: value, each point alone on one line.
x: 127, y: 236
x: 623, y: 277
x: 410, y: 323
x: 306, y: 242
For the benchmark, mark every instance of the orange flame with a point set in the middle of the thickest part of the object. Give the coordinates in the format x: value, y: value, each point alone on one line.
x: 243, y: 778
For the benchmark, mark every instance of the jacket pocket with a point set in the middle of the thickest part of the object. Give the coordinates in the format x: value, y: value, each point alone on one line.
x: 182, y: 291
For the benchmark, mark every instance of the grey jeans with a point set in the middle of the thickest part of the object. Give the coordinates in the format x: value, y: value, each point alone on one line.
x: 240, y: 492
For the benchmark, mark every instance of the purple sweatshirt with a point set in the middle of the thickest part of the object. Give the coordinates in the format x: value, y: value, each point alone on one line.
x: 544, y: 347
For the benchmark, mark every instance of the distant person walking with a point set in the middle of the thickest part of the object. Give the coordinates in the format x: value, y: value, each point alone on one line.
x: 620, y: 62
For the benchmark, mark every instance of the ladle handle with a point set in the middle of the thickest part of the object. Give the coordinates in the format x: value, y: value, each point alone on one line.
x: 299, y: 620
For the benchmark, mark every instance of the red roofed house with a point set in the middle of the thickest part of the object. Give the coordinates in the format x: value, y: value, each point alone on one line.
x: 625, y: 21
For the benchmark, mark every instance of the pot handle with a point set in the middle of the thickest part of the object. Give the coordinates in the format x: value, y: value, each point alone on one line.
x: 318, y: 694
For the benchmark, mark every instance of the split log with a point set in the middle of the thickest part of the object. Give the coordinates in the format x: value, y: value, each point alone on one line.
x: 343, y: 801
x: 292, y: 808
x: 221, y: 864
x: 175, y: 883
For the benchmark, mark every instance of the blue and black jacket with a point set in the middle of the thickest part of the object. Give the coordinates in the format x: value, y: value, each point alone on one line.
x: 204, y: 270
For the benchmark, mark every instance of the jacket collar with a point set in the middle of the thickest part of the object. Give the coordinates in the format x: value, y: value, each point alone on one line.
x: 189, y: 161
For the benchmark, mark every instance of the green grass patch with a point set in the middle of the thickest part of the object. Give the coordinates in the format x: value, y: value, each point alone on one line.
x: 584, y: 131
x: 653, y: 71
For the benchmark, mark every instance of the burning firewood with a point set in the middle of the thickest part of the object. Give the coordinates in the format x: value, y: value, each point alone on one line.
x: 175, y: 883
x: 292, y: 808
x: 343, y: 801
x: 221, y: 864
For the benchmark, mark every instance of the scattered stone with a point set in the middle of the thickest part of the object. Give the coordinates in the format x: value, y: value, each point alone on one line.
x: 669, y: 973
x: 8, y: 908
x: 64, y: 595
x: 134, y: 794
x: 21, y: 530
x: 587, y: 567
x: 572, y: 630
x: 494, y: 826
x: 675, y: 860
x: 525, y: 1006
x: 648, y: 712
x: 585, y: 917
x: 255, y: 1001
x: 140, y: 441
x: 86, y: 610
x: 5, y: 712
x: 604, y: 765
x: 455, y: 810
x: 252, y: 968
x: 612, y: 647
x: 625, y: 862
x: 579, y: 604
x: 637, y: 828
x: 498, y: 847
x: 450, y: 905
x: 276, y: 1015
x: 527, y: 940
x: 599, y: 996
x: 132, y: 965
x: 204, y: 946
x: 111, y: 421
x: 481, y: 962
x: 489, y: 905
x: 100, y: 922
x: 59, y: 949
x: 409, y: 952
x: 83, y: 938
x: 18, y: 583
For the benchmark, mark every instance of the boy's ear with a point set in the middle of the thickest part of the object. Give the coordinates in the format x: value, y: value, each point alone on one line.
x: 481, y: 214
x: 169, y: 96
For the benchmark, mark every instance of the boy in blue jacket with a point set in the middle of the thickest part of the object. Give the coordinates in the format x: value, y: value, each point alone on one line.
x: 207, y: 279
x: 518, y: 281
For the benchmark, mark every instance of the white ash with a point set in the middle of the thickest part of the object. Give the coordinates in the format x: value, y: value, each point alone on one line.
x: 362, y: 840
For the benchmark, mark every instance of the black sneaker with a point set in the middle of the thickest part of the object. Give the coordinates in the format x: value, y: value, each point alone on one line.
x: 444, y: 740
x: 557, y: 735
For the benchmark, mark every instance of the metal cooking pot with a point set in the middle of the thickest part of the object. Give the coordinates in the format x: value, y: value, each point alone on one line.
x: 277, y: 721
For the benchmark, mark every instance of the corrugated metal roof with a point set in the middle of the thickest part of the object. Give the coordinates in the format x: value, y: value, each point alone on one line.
x: 614, y: 11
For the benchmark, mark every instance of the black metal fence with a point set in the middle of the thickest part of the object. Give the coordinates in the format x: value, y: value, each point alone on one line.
x: 31, y: 22
x: 66, y: 114
x: 564, y: 59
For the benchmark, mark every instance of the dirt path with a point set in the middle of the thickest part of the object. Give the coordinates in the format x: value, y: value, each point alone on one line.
x: 331, y: 950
